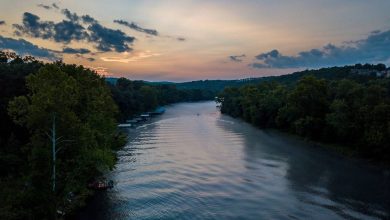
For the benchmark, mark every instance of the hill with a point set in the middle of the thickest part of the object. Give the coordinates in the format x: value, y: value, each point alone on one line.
x: 358, y: 72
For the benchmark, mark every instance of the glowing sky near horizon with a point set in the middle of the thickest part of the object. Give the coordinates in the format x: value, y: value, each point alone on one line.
x: 200, y: 39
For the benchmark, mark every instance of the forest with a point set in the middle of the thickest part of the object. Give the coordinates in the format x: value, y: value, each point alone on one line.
x: 85, y: 110
x: 135, y: 97
x: 350, y: 112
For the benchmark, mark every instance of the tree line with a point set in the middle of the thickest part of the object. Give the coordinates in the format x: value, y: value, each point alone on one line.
x: 135, y: 97
x: 351, y: 113
x: 330, y: 73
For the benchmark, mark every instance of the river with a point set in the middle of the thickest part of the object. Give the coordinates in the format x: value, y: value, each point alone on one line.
x: 194, y: 163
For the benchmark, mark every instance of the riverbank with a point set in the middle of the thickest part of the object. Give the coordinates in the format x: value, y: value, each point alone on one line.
x: 195, y: 163
x: 347, y: 113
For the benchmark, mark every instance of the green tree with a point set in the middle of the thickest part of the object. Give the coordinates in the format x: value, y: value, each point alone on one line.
x: 149, y: 97
x: 84, y: 112
x: 307, y: 105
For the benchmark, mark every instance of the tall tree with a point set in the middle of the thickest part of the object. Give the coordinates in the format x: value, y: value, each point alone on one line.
x: 85, y: 125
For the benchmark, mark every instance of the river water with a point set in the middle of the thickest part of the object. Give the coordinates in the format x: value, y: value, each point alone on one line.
x: 194, y: 163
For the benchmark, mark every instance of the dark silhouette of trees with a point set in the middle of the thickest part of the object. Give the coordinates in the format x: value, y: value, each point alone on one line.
x: 135, y: 97
x: 347, y: 111
x: 32, y: 92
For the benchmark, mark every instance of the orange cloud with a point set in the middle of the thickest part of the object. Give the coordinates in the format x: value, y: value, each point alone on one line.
x: 126, y: 57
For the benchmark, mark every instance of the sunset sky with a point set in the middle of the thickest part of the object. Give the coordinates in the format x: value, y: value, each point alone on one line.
x: 198, y: 39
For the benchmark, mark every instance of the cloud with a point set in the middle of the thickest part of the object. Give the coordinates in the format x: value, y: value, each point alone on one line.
x: 149, y: 32
x: 109, y: 39
x: 2, y: 22
x: 23, y: 48
x: 88, y: 19
x: 136, y: 27
x: 75, y: 28
x: 375, y: 48
x: 237, y: 58
x: 66, y: 31
x: 71, y: 16
x: 48, y: 7
x: 75, y: 51
x: 90, y: 59
x: 33, y: 27
x: 55, y: 6
x: 126, y: 58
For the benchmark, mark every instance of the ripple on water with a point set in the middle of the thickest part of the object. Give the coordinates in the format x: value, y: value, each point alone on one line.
x: 184, y: 166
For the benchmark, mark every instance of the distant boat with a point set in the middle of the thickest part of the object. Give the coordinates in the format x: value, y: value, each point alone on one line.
x: 131, y: 123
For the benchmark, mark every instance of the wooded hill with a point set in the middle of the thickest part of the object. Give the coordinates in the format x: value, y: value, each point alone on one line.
x: 356, y: 72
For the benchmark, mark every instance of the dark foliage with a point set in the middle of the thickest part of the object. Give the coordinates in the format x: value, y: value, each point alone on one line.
x: 134, y: 97
x: 349, y: 109
x: 31, y: 93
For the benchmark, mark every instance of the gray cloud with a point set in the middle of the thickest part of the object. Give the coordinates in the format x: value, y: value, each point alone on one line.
x: 75, y: 51
x: 63, y: 31
x: 66, y: 31
x: 375, y: 48
x: 71, y: 16
x: 33, y: 27
x: 237, y: 58
x: 23, y: 47
x: 136, y: 27
x: 2, y: 22
x: 84, y: 28
x: 55, y: 6
x: 109, y: 39
x: 88, y: 19
x: 48, y: 7
x: 149, y: 32
x: 90, y: 59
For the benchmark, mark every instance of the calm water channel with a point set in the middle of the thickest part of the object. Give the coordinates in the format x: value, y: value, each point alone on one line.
x: 194, y: 163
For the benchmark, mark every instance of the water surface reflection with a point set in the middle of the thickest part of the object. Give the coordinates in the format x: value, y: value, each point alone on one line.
x: 193, y: 163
